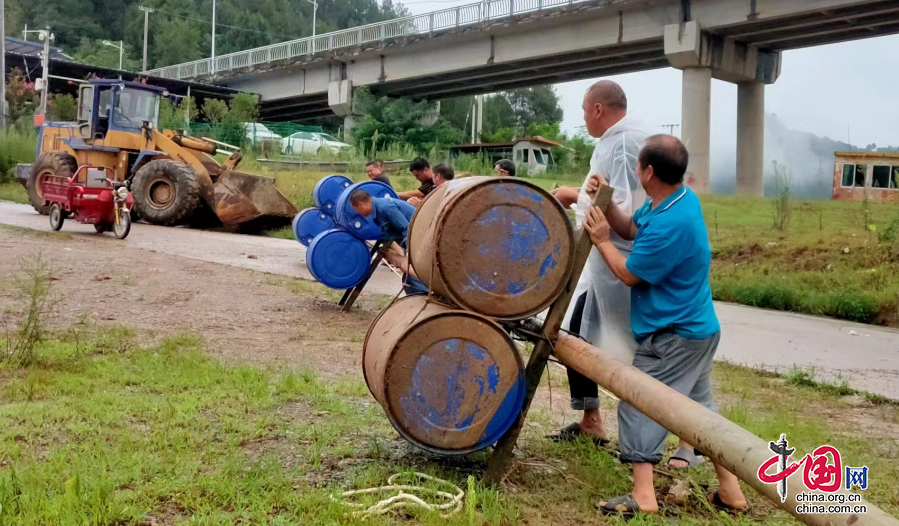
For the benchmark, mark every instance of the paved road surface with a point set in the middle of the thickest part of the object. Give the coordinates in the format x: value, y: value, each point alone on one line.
x: 866, y: 356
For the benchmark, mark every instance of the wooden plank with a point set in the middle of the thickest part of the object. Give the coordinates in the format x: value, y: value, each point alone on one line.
x: 501, y: 461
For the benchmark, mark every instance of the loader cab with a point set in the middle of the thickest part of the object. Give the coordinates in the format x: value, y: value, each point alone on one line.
x: 115, y: 105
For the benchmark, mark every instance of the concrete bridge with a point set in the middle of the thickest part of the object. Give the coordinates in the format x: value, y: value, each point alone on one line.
x: 503, y: 44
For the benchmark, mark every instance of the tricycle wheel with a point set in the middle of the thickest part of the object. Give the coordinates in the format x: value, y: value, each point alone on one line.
x: 49, y: 164
x: 100, y: 227
x: 56, y: 217
x: 124, y: 225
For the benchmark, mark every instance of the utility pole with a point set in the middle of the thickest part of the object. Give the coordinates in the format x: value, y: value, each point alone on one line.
x: 147, y: 12
x: 480, y: 116
x: 670, y: 127
x: 47, y: 37
x: 2, y: 66
x: 213, y: 37
x: 314, y: 11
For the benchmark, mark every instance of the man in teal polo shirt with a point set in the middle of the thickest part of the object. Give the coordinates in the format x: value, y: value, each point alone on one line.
x: 672, y: 316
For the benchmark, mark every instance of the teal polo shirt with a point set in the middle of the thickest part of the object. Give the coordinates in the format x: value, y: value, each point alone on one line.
x: 672, y: 257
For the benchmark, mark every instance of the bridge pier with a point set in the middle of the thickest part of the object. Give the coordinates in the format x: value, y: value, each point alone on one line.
x: 701, y: 57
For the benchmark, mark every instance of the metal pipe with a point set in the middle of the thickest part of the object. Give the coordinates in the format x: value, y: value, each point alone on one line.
x: 726, y: 443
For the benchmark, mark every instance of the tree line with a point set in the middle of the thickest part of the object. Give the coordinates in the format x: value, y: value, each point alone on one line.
x: 181, y: 31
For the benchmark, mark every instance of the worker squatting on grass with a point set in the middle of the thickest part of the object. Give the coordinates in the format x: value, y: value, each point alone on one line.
x: 672, y: 316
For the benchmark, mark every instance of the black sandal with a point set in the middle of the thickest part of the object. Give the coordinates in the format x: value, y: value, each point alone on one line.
x: 720, y: 505
x: 625, y: 506
x: 572, y: 432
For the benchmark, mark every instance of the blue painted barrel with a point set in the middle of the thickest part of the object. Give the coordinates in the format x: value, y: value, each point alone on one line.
x: 347, y: 218
x: 450, y: 381
x: 310, y: 223
x: 499, y: 246
x: 338, y: 259
x: 327, y: 191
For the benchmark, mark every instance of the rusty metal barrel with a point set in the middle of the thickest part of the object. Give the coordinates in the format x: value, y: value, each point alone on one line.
x: 501, y: 247
x: 450, y: 381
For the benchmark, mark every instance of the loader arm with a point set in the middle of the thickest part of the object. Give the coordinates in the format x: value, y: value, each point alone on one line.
x: 166, y: 145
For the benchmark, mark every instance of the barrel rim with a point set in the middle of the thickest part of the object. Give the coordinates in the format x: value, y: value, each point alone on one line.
x: 316, y: 190
x: 456, y: 311
x: 441, y: 219
x: 296, y: 221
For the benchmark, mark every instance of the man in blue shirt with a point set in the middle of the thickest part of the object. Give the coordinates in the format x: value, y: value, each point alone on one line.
x: 672, y: 316
x: 393, y: 216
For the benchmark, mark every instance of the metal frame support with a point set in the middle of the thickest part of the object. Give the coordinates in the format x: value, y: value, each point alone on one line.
x: 501, y: 461
x: 350, y: 296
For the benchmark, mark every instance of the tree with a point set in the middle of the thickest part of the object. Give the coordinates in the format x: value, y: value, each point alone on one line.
x: 537, y: 105
x: 398, y: 122
x: 245, y: 107
x: 215, y: 110
x: 177, y: 42
x: 20, y: 96
x: 95, y: 53
x: 62, y: 107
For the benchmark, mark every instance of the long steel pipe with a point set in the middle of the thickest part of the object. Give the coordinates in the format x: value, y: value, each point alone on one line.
x: 726, y: 443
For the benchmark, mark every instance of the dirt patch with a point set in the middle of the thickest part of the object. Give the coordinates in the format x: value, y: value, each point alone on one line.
x: 740, y: 254
x: 242, y: 315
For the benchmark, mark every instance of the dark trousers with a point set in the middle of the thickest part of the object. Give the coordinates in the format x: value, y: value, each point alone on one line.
x: 584, y: 392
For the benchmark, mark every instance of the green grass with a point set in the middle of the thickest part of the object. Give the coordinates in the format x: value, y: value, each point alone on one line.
x: 15, y: 147
x: 101, y: 431
x: 14, y: 192
x: 826, y: 262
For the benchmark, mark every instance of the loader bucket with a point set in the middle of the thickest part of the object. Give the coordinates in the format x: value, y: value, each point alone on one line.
x: 244, y: 198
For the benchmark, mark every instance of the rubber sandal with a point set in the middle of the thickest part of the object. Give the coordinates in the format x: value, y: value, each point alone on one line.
x: 572, y: 432
x: 715, y: 500
x: 625, y: 506
x: 690, y: 457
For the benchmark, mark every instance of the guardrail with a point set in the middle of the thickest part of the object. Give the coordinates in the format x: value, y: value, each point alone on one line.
x: 461, y: 16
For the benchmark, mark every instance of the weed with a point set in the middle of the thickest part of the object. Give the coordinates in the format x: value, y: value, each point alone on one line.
x: 782, y: 208
x: 33, y: 286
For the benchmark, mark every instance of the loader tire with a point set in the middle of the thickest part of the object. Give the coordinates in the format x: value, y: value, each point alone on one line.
x: 52, y: 163
x: 165, y: 192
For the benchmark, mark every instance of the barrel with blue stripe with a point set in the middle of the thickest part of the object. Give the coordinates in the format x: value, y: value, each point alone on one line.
x: 310, y: 223
x: 346, y: 217
x: 450, y: 381
x: 327, y: 191
x: 499, y: 246
x: 338, y: 259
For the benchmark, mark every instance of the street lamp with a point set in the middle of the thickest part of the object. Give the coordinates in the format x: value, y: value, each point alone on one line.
x: 120, y: 47
x: 314, y: 10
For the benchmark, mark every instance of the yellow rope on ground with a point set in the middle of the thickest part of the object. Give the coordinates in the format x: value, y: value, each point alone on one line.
x: 407, y: 500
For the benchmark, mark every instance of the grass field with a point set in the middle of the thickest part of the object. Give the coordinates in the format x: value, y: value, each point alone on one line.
x: 102, y: 431
x: 13, y: 192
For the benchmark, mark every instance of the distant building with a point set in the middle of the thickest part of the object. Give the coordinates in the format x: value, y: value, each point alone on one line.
x: 857, y: 174
x: 31, y: 49
x: 530, y: 154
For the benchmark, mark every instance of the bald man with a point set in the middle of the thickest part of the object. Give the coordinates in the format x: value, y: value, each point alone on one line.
x: 601, y: 310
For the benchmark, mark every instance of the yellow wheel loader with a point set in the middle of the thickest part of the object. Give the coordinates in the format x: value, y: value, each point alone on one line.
x: 175, y: 179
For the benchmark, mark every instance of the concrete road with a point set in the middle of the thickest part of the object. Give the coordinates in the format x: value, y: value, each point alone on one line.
x: 865, y: 356
x: 265, y: 254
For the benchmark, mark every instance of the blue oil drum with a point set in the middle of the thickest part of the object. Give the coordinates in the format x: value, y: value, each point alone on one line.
x: 338, y: 259
x: 310, y: 223
x: 451, y: 381
x: 327, y: 191
x: 346, y: 217
x: 499, y: 246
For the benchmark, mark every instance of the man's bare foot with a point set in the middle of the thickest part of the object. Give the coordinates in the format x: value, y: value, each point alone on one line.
x: 591, y: 424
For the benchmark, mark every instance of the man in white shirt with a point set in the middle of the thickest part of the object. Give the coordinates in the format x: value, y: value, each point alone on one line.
x: 600, y: 312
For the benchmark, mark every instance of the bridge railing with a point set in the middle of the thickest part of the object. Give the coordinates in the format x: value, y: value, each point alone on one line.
x: 453, y: 17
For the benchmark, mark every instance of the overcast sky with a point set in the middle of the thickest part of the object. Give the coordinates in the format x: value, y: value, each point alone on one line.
x: 826, y: 90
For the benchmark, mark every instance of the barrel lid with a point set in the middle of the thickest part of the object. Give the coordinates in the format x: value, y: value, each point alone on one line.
x: 454, y: 383
x: 505, y: 248
x: 310, y: 223
x: 327, y: 191
x: 346, y: 217
x: 337, y: 259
